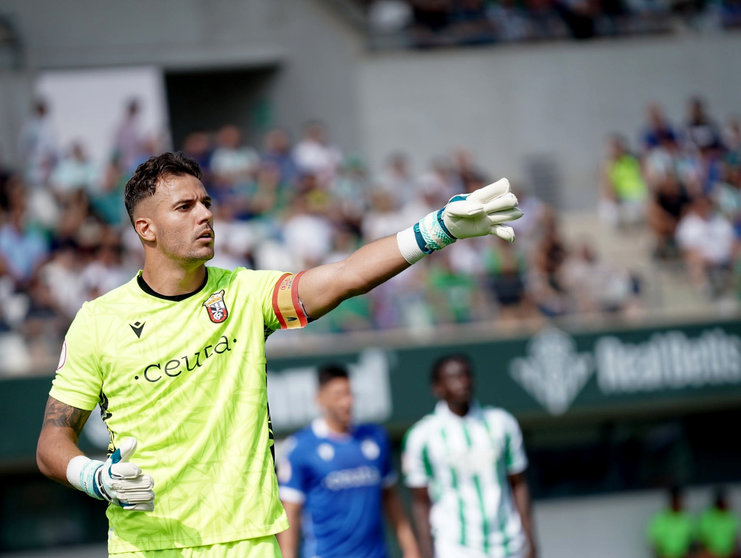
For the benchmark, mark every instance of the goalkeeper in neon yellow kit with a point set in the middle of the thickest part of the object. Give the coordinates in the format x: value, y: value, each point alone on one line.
x: 176, y: 360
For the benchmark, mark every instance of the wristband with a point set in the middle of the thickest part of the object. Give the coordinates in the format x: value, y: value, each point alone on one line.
x: 426, y: 236
x: 81, y: 473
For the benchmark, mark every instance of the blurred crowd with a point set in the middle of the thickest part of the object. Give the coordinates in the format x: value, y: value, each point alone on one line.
x: 684, y: 183
x: 286, y: 204
x: 436, y: 23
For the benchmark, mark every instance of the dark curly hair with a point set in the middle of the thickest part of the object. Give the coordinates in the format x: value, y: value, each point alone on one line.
x: 146, y: 176
x: 438, y: 365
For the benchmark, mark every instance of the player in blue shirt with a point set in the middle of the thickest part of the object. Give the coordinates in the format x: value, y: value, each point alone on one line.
x: 337, y: 481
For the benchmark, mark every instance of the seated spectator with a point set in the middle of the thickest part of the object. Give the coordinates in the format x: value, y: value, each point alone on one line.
x: 278, y: 151
x: 701, y: 131
x: 546, y: 283
x: 658, y: 129
x: 431, y: 23
x: 666, y: 205
x: 598, y: 286
x: 38, y: 146
x: 74, y: 172
x: 506, y: 278
x: 718, y: 529
x: 23, y: 246
x: 313, y: 153
x: 625, y: 192
x: 706, y: 240
x: 232, y: 163
x: 671, y: 530
x: 469, y: 24
x: 510, y: 21
x: 128, y: 136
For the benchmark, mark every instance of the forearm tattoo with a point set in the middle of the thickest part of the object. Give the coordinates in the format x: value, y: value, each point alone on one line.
x: 62, y: 415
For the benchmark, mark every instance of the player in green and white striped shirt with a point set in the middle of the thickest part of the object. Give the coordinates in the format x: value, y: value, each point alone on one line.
x: 465, y: 467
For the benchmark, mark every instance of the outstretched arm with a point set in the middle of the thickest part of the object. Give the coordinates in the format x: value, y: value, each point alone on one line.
x: 480, y: 213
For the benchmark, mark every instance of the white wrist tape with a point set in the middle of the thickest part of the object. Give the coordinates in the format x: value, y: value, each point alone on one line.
x: 428, y: 235
x: 81, y: 473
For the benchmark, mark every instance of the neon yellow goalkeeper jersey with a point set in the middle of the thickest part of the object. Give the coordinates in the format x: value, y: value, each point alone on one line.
x: 186, y: 377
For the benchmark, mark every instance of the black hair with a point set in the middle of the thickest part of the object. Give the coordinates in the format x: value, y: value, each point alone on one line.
x: 442, y: 361
x: 143, y: 183
x: 328, y: 372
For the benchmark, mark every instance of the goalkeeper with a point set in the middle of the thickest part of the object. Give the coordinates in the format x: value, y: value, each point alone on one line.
x: 176, y: 360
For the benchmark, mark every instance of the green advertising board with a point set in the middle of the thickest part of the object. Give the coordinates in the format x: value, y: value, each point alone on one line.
x: 550, y: 374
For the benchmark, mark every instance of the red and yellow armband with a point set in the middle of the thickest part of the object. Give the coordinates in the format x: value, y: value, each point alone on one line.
x: 286, y: 304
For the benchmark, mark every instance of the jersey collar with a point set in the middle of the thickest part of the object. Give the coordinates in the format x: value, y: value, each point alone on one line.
x: 443, y: 411
x: 321, y: 430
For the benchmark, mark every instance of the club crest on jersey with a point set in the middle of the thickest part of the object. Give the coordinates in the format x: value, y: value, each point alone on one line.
x: 216, y: 307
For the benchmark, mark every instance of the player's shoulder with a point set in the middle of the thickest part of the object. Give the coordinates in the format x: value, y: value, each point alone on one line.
x: 370, y: 430
x: 422, y: 427
x: 500, y: 417
x: 122, y: 295
x: 303, y: 438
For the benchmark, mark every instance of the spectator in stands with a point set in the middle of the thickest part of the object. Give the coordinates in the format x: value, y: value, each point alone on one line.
x: 670, y: 531
x: 579, y: 17
x: 313, y: 153
x: 718, y: 529
x: 128, y: 137
x: 278, y: 151
x: 37, y: 146
x: 701, y: 131
x: 197, y: 146
x: 307, y: 232
x: 469, y: 23
x: 658, y: 129
x: 666, y: 205
x: 599, y: 287
x: 510, y: 21
x: 75, y: 171
x: 397, y: 178
x: 233, y: 164
x: 706, y: 239
x: 624, y: 193
x: 23, y: 246
x: 546, y: 283
x: 431, y: 22
x: 506, y: 278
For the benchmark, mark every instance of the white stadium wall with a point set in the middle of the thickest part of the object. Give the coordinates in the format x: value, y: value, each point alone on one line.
x: 559, y: 99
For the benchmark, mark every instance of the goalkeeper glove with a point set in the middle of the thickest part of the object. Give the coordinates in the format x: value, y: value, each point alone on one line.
x: 116, y: 480
x: 479, y: 213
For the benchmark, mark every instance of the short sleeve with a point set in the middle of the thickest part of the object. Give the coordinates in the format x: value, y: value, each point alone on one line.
x: 292, y: 473
x: 515, y: 459
x: 277, y: 293
x: 415, y: 462
x: 79, y: 380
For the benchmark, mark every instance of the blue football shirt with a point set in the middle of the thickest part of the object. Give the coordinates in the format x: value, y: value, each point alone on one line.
x: 339, y: 480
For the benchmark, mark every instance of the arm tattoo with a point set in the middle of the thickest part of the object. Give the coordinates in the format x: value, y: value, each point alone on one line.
x: 61, y: 415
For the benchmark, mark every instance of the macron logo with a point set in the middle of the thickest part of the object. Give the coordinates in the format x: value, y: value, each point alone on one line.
x: 137, y: 326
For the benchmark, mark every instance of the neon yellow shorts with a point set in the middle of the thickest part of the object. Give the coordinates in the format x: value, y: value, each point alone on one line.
x: 263, y: 547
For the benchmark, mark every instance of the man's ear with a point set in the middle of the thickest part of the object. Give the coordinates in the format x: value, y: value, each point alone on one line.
x: 145, y: 229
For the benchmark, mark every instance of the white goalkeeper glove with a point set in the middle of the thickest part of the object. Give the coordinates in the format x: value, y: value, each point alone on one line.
x: 117, y: 481
x: 479, y: 213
